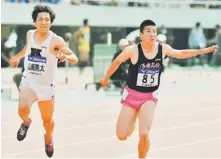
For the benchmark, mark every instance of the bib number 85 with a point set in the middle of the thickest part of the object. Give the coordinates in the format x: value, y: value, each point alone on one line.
x: 145, y: 78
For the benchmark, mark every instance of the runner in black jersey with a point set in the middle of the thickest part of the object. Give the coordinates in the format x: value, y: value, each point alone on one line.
x: 139, y: 97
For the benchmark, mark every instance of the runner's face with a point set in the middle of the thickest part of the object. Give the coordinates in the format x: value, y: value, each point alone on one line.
x: 149, y: 34
x: 43, y: 22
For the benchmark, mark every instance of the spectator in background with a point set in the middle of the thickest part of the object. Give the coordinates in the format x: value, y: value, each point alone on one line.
x: 163, y: 30
x: 10, y: 44
x: 5, y: 54
x: 133, y: 37
x: 216, y: 40
x: 120, y: 76
x: 7, y: 47
x: 197, y: 40
x: 169, y: 35
x: 82, y: 37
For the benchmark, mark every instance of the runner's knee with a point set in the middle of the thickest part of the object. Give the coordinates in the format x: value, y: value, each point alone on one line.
x: 144, y: 135
x: 122, y: 135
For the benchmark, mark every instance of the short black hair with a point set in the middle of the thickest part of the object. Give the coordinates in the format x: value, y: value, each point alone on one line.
x: 43, y: 8
x: 198, y: 24
x: 217, y: 26
x: 85, y: 21
x: 146, y: 23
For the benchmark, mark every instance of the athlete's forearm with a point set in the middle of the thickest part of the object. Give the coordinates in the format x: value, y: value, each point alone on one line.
x: 72, y: 58
x: 21, y: 54
x: 113, y: 67
x: 65, y: 51
x: 183, y: 54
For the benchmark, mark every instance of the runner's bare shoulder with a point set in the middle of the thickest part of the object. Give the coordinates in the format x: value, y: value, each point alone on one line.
x: 130, y: 50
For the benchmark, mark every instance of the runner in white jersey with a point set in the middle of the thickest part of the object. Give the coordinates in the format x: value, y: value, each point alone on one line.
x: 139, y: 99
x: 42, y: 51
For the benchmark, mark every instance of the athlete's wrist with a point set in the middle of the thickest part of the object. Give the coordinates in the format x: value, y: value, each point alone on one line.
x: 106, y: 78
x: 203, y: 51
x: 69, y: 56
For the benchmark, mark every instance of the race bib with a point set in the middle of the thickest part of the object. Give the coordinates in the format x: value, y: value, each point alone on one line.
x: 36, y: 62
x: 147, y: 79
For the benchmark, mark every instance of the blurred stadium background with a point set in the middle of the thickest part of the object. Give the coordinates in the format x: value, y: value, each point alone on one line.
x: 183, y: 23
x: 113, y: 20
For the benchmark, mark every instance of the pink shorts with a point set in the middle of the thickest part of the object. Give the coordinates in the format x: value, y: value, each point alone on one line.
x: 135, y: 99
